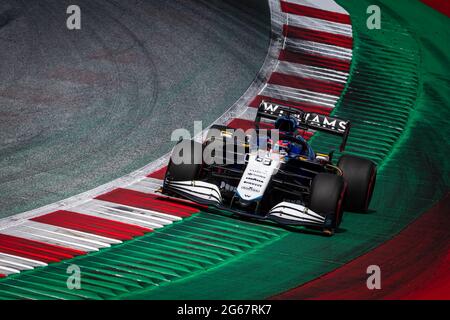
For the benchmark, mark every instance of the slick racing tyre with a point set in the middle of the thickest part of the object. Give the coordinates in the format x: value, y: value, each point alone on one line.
x: 360, y: 175
x: 327, y: 196
x: 189, y: 168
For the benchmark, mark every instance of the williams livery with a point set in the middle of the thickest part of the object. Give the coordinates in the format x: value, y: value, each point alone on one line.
x: 273, y: 174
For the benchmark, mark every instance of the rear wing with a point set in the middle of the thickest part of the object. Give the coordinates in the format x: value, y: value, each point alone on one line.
x: 307, y: 120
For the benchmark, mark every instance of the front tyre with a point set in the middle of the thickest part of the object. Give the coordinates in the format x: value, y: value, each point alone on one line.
x: 185, y: 161
x: 327, y: 196
x: 360, y: 175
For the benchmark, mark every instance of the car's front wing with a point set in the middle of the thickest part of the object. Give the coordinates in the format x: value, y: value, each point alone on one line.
x: 284, y: 213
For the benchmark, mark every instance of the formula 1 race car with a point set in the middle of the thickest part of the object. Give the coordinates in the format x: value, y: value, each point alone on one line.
x: 273, y: 174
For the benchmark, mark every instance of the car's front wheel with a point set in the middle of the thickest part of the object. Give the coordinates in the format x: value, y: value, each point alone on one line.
x: 360, y: 175
x: 327, y: 196
x: 185, y: 161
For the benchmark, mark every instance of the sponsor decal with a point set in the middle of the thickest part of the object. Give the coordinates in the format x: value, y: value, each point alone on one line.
x: 269, y: 107
x: 256, y: 176
x: 227, y: 187
x: 311, y: 119
x: 316, y: 120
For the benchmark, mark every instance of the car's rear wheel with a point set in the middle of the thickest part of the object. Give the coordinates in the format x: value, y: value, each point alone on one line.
x: 327, y: 196
x: 360, y: 175
x: 185, y: 161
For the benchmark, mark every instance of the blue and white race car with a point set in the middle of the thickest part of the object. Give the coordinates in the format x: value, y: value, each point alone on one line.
x: 273, y: 174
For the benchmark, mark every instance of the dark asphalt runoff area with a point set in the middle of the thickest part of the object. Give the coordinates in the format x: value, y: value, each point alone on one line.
x: 79, y: 108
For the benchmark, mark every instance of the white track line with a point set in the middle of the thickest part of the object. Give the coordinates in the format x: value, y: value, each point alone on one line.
x: 306, y: 71
x: 126, y: 214
x: 8, y: 270
x: 328, y: 5
x: 21, y: 260
x: 147, y: 185
x: 299, y: 95
x: 319, y: 49
x: 65, y: 238
x: 15, y: 265
x: 320, y: 25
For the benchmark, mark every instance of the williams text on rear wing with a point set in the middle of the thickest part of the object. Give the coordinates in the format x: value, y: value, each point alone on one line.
x: 307, y: 120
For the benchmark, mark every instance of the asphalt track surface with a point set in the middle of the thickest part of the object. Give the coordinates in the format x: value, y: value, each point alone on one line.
x: 399, y: 71
x: 80, y: 108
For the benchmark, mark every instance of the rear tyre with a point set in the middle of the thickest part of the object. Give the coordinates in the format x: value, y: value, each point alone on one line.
x: 327, y: 196
x: 360, y: 175
x: 188, y: 169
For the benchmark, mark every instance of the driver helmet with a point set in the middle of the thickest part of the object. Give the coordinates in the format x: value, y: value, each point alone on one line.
x: 286, y: 124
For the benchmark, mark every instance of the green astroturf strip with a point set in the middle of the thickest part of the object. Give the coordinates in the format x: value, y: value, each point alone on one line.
x: 398, y: 102
x: 182, y: 250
